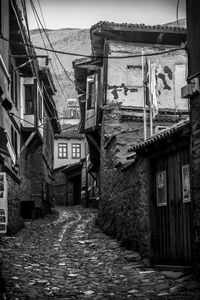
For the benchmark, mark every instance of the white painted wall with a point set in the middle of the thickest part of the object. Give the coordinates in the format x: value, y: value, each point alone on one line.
x: 125, y: 82
x: 59, y: 162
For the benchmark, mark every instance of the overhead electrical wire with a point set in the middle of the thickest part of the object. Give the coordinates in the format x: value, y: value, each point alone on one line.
x: 44, y: 30
x: 54, y: 106
x: 25, y: 16
x: 40, y: 31
x: 89, y: 56
x: 50, y: 43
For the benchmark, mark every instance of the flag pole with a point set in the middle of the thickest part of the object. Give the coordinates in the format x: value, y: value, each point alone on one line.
x: 150, y: 100
x: 144, y: 91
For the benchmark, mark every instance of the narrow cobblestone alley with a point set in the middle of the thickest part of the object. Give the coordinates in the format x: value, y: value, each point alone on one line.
x: 68, y: 257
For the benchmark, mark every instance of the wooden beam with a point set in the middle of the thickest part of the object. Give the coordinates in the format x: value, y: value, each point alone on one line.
x: 93, y: 141
x: 27, y: 141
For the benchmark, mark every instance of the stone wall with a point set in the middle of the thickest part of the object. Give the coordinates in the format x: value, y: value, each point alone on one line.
x: 15, y: 222
x: 193, y: 23
x: 59, y: 187
x: 124, y: 193
x: 124, y: 204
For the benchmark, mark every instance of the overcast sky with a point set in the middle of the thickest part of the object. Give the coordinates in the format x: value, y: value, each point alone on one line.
x: 85, y: 13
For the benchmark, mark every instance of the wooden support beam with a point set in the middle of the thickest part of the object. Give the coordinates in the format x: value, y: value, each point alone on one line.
x: 93, y: 141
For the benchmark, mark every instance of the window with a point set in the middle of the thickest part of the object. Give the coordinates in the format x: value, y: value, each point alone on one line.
x: 76, y: 150
x: 90, y: 95
x: 14, y: 139
x: 62, y: 150
x: 29, y: 109
x: 40, y: 106
x: 159, y: 129
x: 73, y: 113
x: 14, y: 84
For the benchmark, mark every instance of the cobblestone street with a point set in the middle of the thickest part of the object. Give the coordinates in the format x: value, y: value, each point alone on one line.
x: 68, y: 257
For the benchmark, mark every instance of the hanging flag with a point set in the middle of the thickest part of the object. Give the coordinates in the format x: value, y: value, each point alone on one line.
x: 154, y: 91
x: 146, y: 82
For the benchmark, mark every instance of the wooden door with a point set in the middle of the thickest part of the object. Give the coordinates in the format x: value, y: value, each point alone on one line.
x: 77, y: 190
x: 171, y: 209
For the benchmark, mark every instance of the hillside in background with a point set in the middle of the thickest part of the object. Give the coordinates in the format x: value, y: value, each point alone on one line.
x: 68, y: 40
x: 182, y: 23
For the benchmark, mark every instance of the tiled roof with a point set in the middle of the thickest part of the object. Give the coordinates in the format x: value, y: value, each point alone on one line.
x: 159, y: 137
x: 69, y: 134
x: 134, y: 33
x: 72, y: 167
x: 104, y: 24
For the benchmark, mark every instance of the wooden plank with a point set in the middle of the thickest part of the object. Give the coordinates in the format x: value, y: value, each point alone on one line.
x: 185, y: 234
x: 171, y: 209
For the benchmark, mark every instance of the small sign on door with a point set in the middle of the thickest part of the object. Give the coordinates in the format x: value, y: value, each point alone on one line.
x: 186, y: 183
x: 161, y: 188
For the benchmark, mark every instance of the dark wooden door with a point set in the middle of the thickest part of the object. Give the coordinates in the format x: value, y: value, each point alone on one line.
x: 171, y: 208
x: 77, y: 190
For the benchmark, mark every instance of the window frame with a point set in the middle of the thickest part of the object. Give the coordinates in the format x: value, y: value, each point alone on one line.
x: 28, y: 111
x: 14, y: 84
x: 76, y: 146
x: 61, y: 154
x: 91, y: 92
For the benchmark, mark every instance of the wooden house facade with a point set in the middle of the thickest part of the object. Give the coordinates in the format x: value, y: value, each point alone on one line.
x: 170, y: 196
x: 28, y: 121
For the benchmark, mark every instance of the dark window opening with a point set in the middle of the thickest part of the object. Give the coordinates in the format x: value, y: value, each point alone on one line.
x: 14, y: 84
x: 40, y: 104
x: 14, y: 139
x: 90, y: 98
x: 29, y: 108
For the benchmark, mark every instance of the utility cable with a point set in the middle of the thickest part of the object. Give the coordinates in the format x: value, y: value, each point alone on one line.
x: 68, y: 77
x: 89, y: 56
x: 40, y: 31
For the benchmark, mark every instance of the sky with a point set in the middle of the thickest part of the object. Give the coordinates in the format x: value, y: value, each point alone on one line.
x: 85, y: 13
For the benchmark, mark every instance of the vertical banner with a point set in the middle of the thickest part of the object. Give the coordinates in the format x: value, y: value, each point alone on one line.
x: 144, y: 81
x: 154, y: 92
x: 3, y: 203
x: 150, y: 98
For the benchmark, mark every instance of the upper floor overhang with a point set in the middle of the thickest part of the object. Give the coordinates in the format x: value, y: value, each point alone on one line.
x: 20, y: 44
x: 82, y: 68
x: 46, y: 76
x: 134, y: 33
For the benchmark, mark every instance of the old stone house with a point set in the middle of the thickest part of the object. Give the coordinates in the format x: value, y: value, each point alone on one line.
x: 151, y: 203
x: 28, y: 120
x: 114, y: 110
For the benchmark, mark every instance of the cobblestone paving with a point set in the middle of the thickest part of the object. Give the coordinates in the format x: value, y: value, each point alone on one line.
x: 67, y: 257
